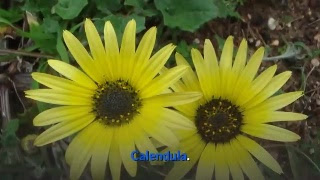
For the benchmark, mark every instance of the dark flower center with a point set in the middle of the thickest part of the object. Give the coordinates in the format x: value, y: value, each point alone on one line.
x: 116, y: 103
x: 218, y: 121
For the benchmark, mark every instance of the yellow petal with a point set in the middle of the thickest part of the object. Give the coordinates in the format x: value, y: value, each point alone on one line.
x: 128, y: 44
x: 63, y: 130
x: 142, y: 140
x: 181, y: 168
x: 157, y: 130
x: 203, y: 74
x: 59, y: 93
x: 227, y: 53
x: 260, y: 153
x: 184, y: 134
x: 81, y: 55
x: 276, y: 83
x: 253, y: 65
x: 234, y: 166
x: 257, y: 85
x: 55, y: 82
x: 127, y: 51
x: 94, y: 40
x: 162, y: 82
x: 96, y: 47
x: 188, y: 110
x: 80, y: 140
x: 126, y: 146
x: 270, y: 132
x: 61, y: 114
x: 189, y: 78
x: 189, y: 138
x: 155, y: 64
x: 176, y: 120
x: 280, y: 101
x: 100, y: 152
x: 112, y: 50
x: 248, y: 73
x: 57, y: 97
x: 206, y: 162
x: 277, y: 102
x: 237, y: 68
x: 226, y: 65
x: 286, y: 116
x: 178, y: 86
x: 212, y: 66
x: 241, y: 58
x: 222, y: 169
x: 274, y: 116
x: 174, y: 99
x: 163, y: 135
x: 229, y: 85
x: 115, y: 157
x: 83, y: 156
x: 144, y: 51
x: 111, y: 41
x: 247, y: 164
x: 72, y: 73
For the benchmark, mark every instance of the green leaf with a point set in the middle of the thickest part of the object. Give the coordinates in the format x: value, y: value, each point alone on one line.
x: 291, y: 51
x: 43, y: 66
x: 28, y: 115
x: 34, y: 6
x: 149, y: 12
x: 76, y: 27
x: 186, y: 15
x: 304, y: 47
x: 315, y: 53
x: 226, y: 8
x: 268, y: 173
x: 69, y: 9
x: 106, y: 6
x: 50, y: 25
x: 45, y: 41
x: 220, y: 41
x: 12, y: 15
x: 135, y: 3
x: 12, y: 126
x: 61, y: 48
x: 142, y: 7
x: 19, y: 31
x: 184, y: 49
x: 119, y: 22
x: 302, y: 166
x: 9, y: 137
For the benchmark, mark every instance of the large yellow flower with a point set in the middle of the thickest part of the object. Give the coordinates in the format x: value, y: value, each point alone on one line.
x: 117, y: 101
x: 235, y: 104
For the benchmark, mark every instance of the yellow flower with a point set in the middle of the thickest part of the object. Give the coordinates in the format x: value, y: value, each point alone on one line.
x: 116, y: 103
x: 235, y: 104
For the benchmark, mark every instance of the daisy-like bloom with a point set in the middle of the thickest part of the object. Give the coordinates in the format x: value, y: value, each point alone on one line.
x: 116, y: 102
x: 235, y: 106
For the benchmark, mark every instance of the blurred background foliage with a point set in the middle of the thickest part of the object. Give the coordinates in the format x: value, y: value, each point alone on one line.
x: 31, y: 33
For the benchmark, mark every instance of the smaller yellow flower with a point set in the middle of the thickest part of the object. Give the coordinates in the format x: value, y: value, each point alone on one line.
x: 235, y: 104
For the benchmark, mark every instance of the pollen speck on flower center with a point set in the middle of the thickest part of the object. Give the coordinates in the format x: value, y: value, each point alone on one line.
x: 116, y: 103
x: 218, y: 121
